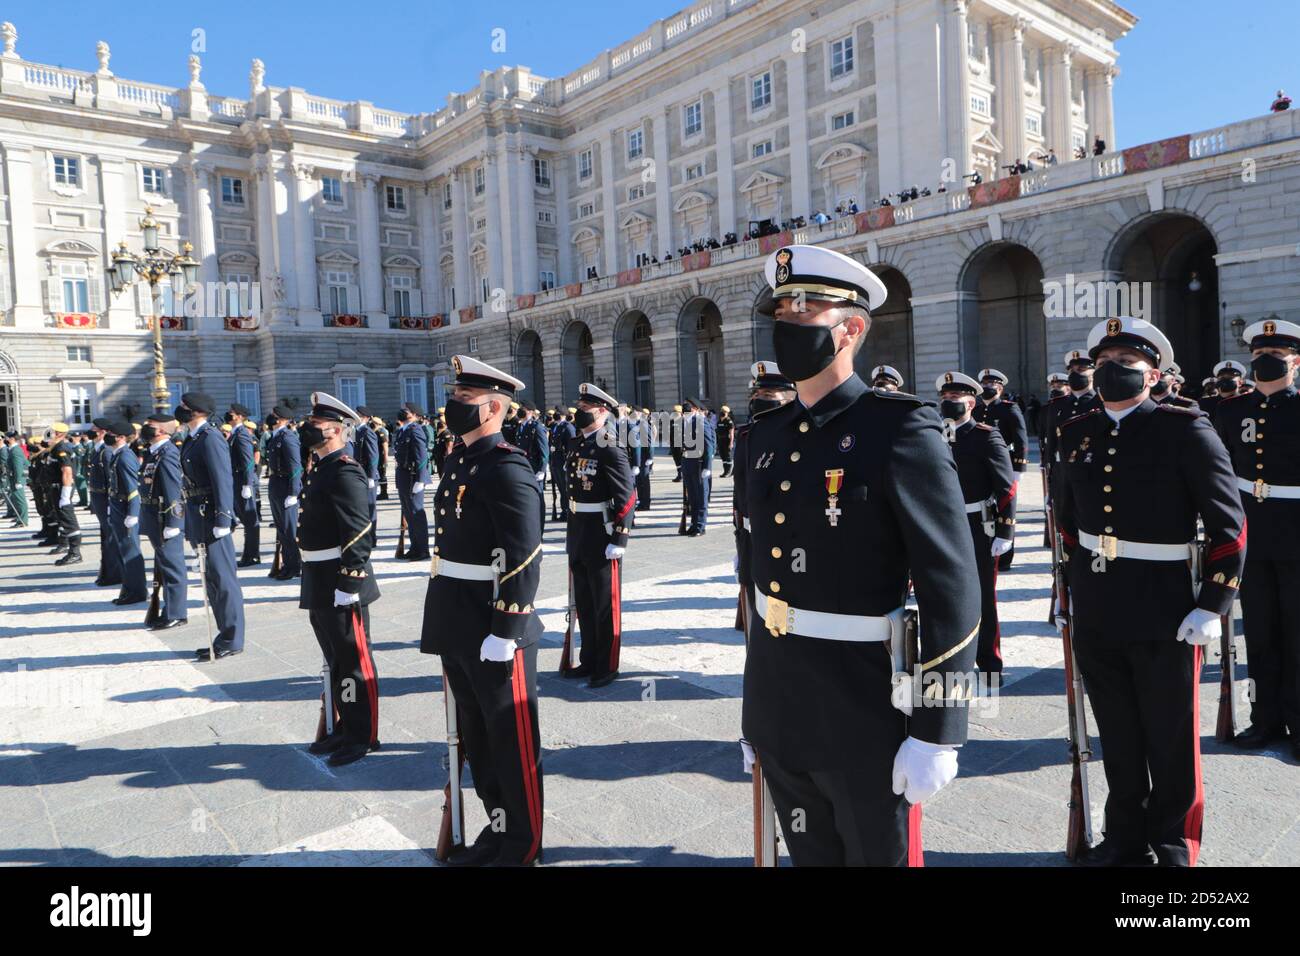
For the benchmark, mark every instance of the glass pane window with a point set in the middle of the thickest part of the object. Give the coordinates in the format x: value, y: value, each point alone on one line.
x: 67, y: 170
x: 153, y: 179
x: 232, y: 191
x: 249, y: 394
x: 352, y: 390
x: 80, y: 404
x: 635, y: 143
x: 760, y: 91
x: 414, y: 390
x: 75, y: 295
x: 694, y: 119
x: 331, y: 189
x: 584, y: 164
x: 542, y: 172
x: 395, y: 198
x: 841, y: 57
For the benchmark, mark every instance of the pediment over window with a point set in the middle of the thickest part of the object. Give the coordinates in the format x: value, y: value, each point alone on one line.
x: 842, y: 153
x: 337, y: 257
x: 760, y: 179
x: 70, y: 247
x: 691, y: 200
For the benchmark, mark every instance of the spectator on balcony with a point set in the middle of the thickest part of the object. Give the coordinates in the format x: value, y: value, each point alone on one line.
x: 975, y: 178
x: 821, y: 218
x: 1098, y: 146
x: 884, y: 201
x: 1080, y: 152
x: 853, y: 208
x: 1283, y: 102
x: 1051, y: 158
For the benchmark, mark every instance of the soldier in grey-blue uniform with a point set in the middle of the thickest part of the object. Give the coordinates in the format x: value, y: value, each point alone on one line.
x: 210, y: 514
x: 411, y: 450
x: 284, y: 454
x: 532, y: 440
x: 162, y: 517
x: 110, y: 561
x: 366, y: 447
x: 124, y: 511
x: 701, y: 441
x: 243, y: 467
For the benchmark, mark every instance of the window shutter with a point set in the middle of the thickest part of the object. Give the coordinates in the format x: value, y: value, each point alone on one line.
x: 143, y: 305
x: 390, y: 306
x: 417, y: 303
x: 355, y: 306
x: 54, y: 294
x: 324, y: 292
x: 95, y: 293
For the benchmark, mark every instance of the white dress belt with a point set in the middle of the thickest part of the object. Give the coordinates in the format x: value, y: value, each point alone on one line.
x: 1262, y: 489
x: 1113, y: 548
x: 327, y: 554
x: 859, y: 628
x: 975, y: 507
x: 595, y: 507
x: 465, y: 572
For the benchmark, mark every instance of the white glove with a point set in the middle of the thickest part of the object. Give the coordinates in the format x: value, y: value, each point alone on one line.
x: 416, y: 488
x: 65, y: 495
x: 613, y: 552
x: 1200, y: 627
x: 540, y: 476
x: 747, y: 751
x: 169, y: 533
x: 220, y: 533
x: 246, y: 492
x: 922, y: 769
x: 343, y: 599
x: 635, y: 472
x: 372, y: 482
x: 496, y: 649
x: 290, y: 502
x: 1000, y: 546
x: 131, y: 521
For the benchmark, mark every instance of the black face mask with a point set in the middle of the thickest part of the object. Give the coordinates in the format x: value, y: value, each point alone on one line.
x: 990, y: 391
x: 183, y: 415
x: 803, y: 350
x: 310, y: 436
x: 1119, y: 383
x: 584, y: 419
x: 757, y: 406
x: 229, y: 418
x: 952, y: 409
x: 1227, y: 386
x: 1268, y: 368
x: 148, y: 433
x: 462, y: 417
x: 1078, y: 381
x: 1057, y: 392
x: 1159, y: 389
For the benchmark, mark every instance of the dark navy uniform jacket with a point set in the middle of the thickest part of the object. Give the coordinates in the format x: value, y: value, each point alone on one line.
x: 489, y: 513
x: 985, y: 472
x: 367, y: 452
x: 532, y: 441
x: 242, y: 467
x: 563, y: 434
x: 334, y: 512
x: 124, y: 483
x: 1262, y: 433
x: 1005, y: 415
x: 412, y: 452
x: 641, y: 442
x: 740, y: 506
x: 97, y: 478
x: 284, y: 461
x: 160, y: 487
x: 810, y: 702
x: 1061, y: 410
x: 598, y: 472
x: 1146, y: 481
x: 209, y: 484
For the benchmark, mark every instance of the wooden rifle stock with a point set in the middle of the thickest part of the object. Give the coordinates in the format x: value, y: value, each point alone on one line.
x: 765, y: 835
x: 566, y: 654
x: 681, y: 525
x: 154, y: 614
x: 1078, y: 835
x: 1226, y: 727
x: 451, y: 830
x: 401, y: 541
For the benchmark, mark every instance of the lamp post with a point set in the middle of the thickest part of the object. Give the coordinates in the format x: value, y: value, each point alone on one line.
x: 181, y: 270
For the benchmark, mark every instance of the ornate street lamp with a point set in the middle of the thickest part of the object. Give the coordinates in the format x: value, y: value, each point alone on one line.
x: 180, y: 269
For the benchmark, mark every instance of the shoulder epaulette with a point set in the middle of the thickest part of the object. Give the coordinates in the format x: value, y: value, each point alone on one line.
x: 1058, y: 398
x: 900, y: 396
x: 987, y: 428
x: 1078, y: 418
x: 347, y: 458
x: 1179, y: 409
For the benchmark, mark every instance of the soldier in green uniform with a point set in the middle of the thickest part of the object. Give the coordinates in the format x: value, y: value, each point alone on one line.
x: 80, y: 449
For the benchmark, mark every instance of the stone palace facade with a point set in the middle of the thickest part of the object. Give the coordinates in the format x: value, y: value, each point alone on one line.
x: 539, y: 222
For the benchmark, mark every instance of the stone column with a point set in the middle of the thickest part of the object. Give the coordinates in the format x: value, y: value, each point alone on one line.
x: 494, y: 168
x: 268, y: 273
x: 726, y: 175
x: 527, y: 280
x: 304, y: 243
x: 610, y: 202
x: 428, y: 199
x: 372, y: 267
x: 1108, y: 107
x: 563, y: 243
x: 663, y: 185
x: 800, y: 180
x: 286, y: 255
x: 1010, y: 112
x: 889, y: 141
x: 120, y: 309
x: 203, y: 231
x: 460, y: 241
x: 28, y: 300
x: 1058, y: 105
x: 957, y: 88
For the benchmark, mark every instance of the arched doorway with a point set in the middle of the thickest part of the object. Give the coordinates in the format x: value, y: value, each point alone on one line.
x: 1171, y: 256
x: 529, y: 367
x: 634, y: 360
x: 889, y: 340
x: 10, y: 415
x: 577, y: 360
x: 700, y: 352
x: 1002, y: 323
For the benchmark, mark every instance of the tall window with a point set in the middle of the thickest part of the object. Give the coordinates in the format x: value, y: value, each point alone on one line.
x: 352, y: 390
x: 635, y: 143
x: 232, y: 191
x: 80, y: 404
x: 239, y: 294
x: 414, y: 390
x: 546, y: 279
x: 480, y: 180
x: 473, y: 343
x: 401, y: 292
x: 76, y: 297
x: 446, y: 195
x: 542, y: 172
x: 584, y: 164
x: 395, y: 197
x: 337, y: 283
x: 67, y: 170
x: 842, y: 57
x: 693, y: 118
x: 331, y: 189
x: 760, y: 91
x: 249, y: 394
x: 153, y: 177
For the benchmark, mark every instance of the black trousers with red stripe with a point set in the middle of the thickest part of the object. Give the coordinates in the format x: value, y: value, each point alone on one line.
x: 1272, y: 642
x: 600, y: 616
x: 343, y: 634
x: 845, y: 817
x: 988, y: 656
x: 1144, y: 696
x: 496, y: 704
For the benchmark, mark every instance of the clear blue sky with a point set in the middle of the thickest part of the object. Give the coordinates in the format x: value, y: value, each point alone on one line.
x: 1188, y: 65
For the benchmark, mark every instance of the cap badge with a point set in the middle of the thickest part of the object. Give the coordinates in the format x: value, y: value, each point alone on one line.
x: 455, y: 363
x: 1113, y: 326
x: 846, y: 442
x: 947, y: 378
x: 762, y: 368
x: 783, y: 260
x: 1270, y: 328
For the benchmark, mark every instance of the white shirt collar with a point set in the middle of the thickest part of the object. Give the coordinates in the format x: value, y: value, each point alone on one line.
x: 159, y: 443
x: 1118, y: 416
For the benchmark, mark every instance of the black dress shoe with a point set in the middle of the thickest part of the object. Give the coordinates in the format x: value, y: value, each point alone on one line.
x: 127, y: 599
x: 483, y: 852
x: 603, y: 679
x: 58, y: 549
x: 327, y: 744
x: 350, y: 753
x: 168, y: 625
x: 247, y: 562
x: 202, y: 653
x: 71, y: 557
x: 1110, y: 853
x: 581, y: 670
x: 1256, y: 738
